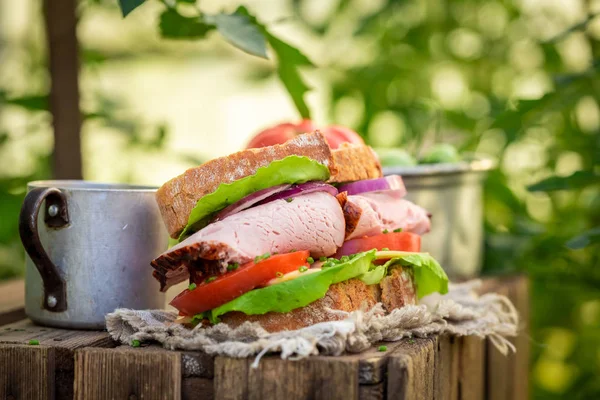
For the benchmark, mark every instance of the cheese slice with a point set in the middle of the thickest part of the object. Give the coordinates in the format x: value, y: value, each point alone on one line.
x: 291, y: 275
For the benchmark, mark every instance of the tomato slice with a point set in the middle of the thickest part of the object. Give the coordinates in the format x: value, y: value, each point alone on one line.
x: 231, y: 285
x: 402, y: 241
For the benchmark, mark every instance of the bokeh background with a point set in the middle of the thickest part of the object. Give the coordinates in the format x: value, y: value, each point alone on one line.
x: 517, y: 80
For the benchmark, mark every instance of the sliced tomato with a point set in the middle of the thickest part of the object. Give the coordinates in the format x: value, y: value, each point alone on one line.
x: 206, y: 296
x: 402, y: 241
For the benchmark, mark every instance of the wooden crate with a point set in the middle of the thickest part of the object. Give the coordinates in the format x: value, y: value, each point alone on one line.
x: 89, y: 365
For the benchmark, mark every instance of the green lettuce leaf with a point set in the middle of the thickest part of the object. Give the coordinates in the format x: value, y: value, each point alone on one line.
x: 292, y: 169
x: 429, y: 277
x: 287, y: 296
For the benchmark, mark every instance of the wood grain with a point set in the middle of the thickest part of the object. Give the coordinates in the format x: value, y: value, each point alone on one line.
x: 12, y: 301
x: 197, y: 388
x: 508, y: 376
x: 26, y: 372
x: 372, y: 392
x: 126, y: 373
x: 411, y: 370
x: 62, y: 342
x: 471, y: 375
x: 447, y: 368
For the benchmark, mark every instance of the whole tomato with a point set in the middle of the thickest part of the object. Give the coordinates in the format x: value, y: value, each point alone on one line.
x: 334, y: 134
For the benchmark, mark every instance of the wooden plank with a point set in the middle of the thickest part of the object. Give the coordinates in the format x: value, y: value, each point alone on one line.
x: 315, y: 378
x: 62, y: 342
x: 12, y: 301
x: 26, y: 372
x: 372, y: 392
x: 197, y: 364
x: 446, y: 368
x: 197, y: 388
x: 411, y: 370
x: 472, y: 362
x: 508, y: 376
x: 127, y: 373
x: 231, y: 378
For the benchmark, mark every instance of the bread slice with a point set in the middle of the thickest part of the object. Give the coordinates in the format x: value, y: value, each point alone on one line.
x: 394, y: 291
x: 179, y: 196
x: 355, y: 163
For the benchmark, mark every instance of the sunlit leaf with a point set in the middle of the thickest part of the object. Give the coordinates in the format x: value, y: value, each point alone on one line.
x: 127, y: 6
x: 173, y: 25
x: 578, y: 180
x: 241, y: 31
x: 289, y: 59
x: 31, y: 103
x: 588, y: 238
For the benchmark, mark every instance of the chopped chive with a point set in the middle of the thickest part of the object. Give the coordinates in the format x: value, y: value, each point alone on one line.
x: 293, y: 250
x: 279, y: 274
x: 323, y: 259
x: 34, y: 342
x: 385, y: 249
x: 385, y: 231
x: 209, y: 280
x: 289, y: 199
x: 310, y: 260
x: 261, y: 257
x: 233, y: 266
x: 411, y: 340
x: 192, y: 286
x: 382, y: 348
x: 303, y: 269
x: 135, y: 343
x: 344, y: 259
x: 398, y: 230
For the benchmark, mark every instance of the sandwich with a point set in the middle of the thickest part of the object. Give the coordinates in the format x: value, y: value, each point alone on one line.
x: 282, y: 235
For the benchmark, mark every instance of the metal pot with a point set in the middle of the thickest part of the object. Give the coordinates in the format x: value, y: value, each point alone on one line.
x: 89, y: 252
x: 453, y: 194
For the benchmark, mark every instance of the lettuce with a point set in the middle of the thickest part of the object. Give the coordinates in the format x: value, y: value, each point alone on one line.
x: 289, y: 295
x: 291, y: 169
x: 429, y: 277
x: 284, y: 297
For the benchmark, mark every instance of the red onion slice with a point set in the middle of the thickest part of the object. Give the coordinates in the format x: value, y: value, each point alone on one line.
x: 249, y: 201
x: 274, y: 193
x: 391, y: 182
x: 303, y: 188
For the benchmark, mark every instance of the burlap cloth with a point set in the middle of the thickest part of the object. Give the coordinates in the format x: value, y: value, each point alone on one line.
x: 460, y: 312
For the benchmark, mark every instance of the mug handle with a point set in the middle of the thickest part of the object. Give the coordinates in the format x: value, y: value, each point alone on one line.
x: 56, y: 216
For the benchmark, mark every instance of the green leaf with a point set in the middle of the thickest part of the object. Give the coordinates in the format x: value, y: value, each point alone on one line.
x: 128, y: 6
x: 173, y: 25
x: 578, y: 180
x: 289, y: 59
x: 240, y: 30
x: 590, y: 237
x: 429, y: 277
x: 31, y: 103
x: 292, y: 169
x: 287, y: 296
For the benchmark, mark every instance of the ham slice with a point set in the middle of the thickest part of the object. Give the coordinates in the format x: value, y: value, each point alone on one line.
x: 313, y: 222
x: 369, y: 214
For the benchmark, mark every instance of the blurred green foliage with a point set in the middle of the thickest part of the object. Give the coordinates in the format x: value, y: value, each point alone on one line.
x: 506, y: 80
x: 516, y: 80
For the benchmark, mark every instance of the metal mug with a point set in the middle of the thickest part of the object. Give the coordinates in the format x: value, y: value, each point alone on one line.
x: 453, y: 194
x: 89, y: 251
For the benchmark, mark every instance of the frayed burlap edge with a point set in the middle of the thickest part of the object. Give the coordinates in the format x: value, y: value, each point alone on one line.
x: 460, y: 312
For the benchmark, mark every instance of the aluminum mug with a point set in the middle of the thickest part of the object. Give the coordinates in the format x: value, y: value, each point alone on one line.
x: 453, y: 194
x: 89, y: 251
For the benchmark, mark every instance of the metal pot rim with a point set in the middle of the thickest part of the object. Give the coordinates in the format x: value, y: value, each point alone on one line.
x: 91, y: 186
x: 475, y: 165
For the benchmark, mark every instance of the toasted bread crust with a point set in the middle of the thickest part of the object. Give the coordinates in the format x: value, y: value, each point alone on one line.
x: 178, y: 197
x: 355, y: 163
x: 346, y: 296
